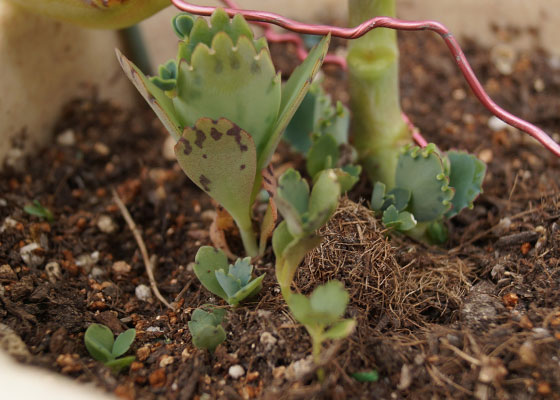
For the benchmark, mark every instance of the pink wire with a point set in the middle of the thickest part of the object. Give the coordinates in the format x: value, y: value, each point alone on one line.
x: 391, y: 23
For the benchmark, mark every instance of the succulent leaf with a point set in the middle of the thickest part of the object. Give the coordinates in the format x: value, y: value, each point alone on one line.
x: 323, y: 154
x: 221, y: 159
x: 325, y: 306
x: 323, y: 200
x: 247, y: 291
x: 293, y: 93
x: 293, y: 200
x: 242, y: 270
x: 207, y: 261
x: 402, y: 221
x: 378, y: 196
x: 421, y: 171
x: 400, y: 197
x: 317, y: 115
x: 348, y: 176
x: 466, y: 176
x: 99, y: 341
x: 229, y: 283
x: 156, y: 97
x: 123, y: 342
x: 340, y: 330
x: 205, y: 328
x: 232, y: 82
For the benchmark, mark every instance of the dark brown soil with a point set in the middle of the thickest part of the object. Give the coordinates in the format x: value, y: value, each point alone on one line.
x: 477, y: 319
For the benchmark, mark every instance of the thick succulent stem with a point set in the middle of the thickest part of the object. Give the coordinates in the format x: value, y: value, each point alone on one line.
x: 248, y: 238
x: 377, y: 124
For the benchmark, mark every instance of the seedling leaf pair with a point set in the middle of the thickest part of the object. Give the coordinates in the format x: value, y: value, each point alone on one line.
x: 230, y: 282
x: 304, y: 212
x: 321, y: 314
x: 102, y: 346
x: 206, y: 329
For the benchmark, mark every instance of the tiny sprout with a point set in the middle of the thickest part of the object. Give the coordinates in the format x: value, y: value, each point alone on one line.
x: 102, y: 346
x: 38, y: 210
x: 366, y: 376
x: 232, y: 283
x: 205, y: 328
x: 321, y: 314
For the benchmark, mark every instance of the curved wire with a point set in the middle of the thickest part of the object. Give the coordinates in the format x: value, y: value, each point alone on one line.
x: 391, y: 23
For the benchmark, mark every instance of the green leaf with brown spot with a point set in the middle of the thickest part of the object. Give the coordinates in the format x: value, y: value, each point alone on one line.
x: 220, y: 158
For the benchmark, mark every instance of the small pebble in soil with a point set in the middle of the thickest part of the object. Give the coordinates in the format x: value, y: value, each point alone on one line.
x: 142, y: 353
x: 3, y: 202
x: 168, y: 149
x: 53, y: 271
x: 31, y: 255
x: 166, y: 360
x: 157, y: 378
x: 97, y: 273
x: 300, y: 368
x: 236, y: 371
x: 154, y: 329
x: 66, y: 138
x: 268, y: 340
x: 503, y: 56
x: 121, y: 268
x: 527, y: 353
x: 87, y: 261
x: 486, y: 156
x: 7, y: 273
x: 143, y: 292
x: 185, y: 355
x: 106, y: 224
x: 9, y: 223
x: 101, y: 148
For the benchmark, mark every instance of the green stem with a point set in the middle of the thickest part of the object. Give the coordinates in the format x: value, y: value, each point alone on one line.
x: 248, y: 238
x: 316, y: 353
x: 373, y: 62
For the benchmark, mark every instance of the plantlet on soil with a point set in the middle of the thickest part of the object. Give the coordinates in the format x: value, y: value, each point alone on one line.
x: 429, y: 186
x: 206, y: 329
x: 231, y: 282
x: 304, y: 213
x: 321, y: 314
x: 319, y: 130
x: 38, y: 210
x: 101, y: 345
x: 223, y: 102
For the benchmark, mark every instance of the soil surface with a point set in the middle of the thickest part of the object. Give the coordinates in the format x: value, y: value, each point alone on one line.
x: 479, y: 318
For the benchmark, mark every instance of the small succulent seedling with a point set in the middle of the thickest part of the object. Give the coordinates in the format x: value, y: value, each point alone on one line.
x: 319, y: 129
x: 304, y: 212
x: 429, y: 186
x: 222, y: 101
x: 231, y: 282
x: 39, y: 210
x: 102, y: 346
x: 321, y: 314
x: 206, y: 329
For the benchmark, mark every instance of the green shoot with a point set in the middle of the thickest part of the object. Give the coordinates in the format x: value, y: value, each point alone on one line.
x: 103, y: 347
x: 206, y: 329
x: 38, y: 210
x: 321, y: 314
x: 232, y: 283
